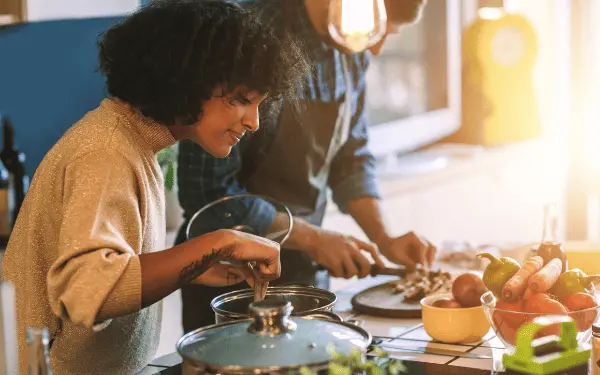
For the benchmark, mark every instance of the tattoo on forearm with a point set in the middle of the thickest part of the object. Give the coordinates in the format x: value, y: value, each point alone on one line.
x: 198, y: 267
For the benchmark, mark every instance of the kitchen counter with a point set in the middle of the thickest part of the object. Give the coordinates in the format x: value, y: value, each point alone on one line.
x: 407, y: 333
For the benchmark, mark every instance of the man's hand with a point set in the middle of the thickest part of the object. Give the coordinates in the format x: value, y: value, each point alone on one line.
x: 342, y: 255
x: 409, y: 250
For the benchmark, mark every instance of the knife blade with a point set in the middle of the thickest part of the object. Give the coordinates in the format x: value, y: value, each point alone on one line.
x: 430, y: 350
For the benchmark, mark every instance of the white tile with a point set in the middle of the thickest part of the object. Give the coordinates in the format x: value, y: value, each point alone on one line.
x: 493, y: 342
x: 483, y: 364
x: 386, y: 327
x: 365, y: 283
x: 435, y: 345
x: 342, y: 306
x: 494, y: 364
x: 418, y: 357
x: 421, y: 334
x: 413, y: 356
x: 418, y: 334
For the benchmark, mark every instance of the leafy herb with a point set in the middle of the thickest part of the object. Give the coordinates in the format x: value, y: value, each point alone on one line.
x: 167, y: 159
x: 354, y: 364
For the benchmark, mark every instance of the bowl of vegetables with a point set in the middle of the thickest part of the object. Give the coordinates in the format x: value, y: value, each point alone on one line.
x: 457, y: 317
x: 518, y: 294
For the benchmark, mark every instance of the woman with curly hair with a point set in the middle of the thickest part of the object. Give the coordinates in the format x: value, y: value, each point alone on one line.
x: 87, y: 255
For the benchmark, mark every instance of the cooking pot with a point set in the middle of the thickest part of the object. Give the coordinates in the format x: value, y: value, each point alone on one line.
x: 271, y: 342
x: 305, y: 299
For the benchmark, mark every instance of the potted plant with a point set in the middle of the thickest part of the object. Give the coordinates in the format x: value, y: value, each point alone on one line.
x: 167, y: 160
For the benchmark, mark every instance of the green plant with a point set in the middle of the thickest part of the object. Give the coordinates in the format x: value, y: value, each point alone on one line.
x: 167, y: 159
x: 354, y: 364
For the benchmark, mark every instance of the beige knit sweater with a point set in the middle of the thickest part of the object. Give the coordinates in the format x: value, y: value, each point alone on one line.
x: 95, y: 204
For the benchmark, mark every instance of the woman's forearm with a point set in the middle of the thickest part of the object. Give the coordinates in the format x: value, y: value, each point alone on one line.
x: 163, y: 272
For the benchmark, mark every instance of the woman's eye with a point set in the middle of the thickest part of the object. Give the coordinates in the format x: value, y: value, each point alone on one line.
x: 240, y: 99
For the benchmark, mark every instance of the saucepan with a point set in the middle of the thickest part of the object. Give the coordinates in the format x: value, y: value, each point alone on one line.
x: 272, y: 341
x: 306, y: 301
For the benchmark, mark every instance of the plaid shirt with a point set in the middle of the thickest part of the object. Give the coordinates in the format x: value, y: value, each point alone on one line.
x: 204, y: 178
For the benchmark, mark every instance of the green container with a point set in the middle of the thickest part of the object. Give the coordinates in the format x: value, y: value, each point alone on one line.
x: 549, y: 354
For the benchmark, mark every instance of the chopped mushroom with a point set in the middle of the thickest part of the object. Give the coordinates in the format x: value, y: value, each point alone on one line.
x: 421, y: 283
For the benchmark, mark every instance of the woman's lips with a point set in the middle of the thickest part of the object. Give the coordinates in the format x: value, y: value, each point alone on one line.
x: 235, y: 137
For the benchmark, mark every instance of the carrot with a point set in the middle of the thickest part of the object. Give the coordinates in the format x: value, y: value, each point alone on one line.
x: 516, y: 285
x: 528, y: 293
x: 546, y: 277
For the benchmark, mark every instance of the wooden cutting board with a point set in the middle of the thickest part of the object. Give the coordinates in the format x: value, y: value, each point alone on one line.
x: 381, y: 300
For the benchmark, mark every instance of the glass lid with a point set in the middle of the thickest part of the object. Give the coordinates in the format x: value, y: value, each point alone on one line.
x: 271, y: 340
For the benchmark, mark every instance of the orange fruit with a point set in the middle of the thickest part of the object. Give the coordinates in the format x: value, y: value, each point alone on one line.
x: 582, y: 301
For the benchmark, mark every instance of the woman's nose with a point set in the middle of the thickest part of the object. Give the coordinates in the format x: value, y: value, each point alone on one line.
x: 251, y: 120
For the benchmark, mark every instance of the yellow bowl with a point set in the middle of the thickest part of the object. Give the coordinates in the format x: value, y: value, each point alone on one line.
x: 583, y: 255
x: 453, y: 326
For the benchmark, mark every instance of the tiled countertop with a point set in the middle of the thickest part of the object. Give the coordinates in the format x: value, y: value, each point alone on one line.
x: 407, y: 333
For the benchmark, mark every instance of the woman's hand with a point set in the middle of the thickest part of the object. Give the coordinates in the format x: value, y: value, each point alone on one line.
x: 197, y: 261
x: 238, y: 249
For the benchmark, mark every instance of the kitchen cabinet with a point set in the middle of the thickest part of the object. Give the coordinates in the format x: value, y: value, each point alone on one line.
x: 15, y: 11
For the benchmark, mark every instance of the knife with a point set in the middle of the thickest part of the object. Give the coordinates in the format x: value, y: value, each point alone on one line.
x: 430, y: 350
x: 389, y: 271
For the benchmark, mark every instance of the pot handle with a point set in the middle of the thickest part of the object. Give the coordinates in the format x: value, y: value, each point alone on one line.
x: 356, y: 322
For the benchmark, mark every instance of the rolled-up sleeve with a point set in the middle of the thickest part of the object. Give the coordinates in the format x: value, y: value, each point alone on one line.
x: 97, y: 275
x: 353, y: 173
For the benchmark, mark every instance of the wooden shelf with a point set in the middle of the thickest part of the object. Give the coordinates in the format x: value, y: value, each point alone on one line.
x: 12, y: 11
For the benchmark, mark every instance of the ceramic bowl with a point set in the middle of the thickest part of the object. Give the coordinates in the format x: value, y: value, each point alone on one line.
x: 453, y: 325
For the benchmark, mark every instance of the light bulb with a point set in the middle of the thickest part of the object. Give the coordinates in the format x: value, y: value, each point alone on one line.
x: 357, y: 24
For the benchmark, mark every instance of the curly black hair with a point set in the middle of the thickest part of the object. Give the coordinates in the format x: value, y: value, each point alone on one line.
x: 168, y: 57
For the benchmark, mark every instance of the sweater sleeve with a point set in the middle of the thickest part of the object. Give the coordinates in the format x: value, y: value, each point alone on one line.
x: 97, y: 274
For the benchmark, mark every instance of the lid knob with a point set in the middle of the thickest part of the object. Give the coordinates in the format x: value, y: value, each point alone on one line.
x: 272, y: 317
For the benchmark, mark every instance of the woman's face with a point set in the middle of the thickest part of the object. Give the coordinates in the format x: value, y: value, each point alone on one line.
x: 224, y: 121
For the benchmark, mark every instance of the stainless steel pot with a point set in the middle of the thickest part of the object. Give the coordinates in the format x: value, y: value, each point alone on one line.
x: 306, y: 300
x: 272, y: 342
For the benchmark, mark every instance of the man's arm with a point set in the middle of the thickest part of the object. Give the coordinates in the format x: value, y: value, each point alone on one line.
x: 353, y: 180
x: 354, y: 184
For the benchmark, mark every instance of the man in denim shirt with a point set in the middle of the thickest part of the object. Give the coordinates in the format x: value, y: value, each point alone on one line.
x: 301, y: 152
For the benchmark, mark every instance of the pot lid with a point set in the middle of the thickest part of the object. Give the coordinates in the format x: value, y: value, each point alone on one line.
x: 271, y: 340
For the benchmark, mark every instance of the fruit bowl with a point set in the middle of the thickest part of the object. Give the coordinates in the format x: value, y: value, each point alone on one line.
x: 506, y: 323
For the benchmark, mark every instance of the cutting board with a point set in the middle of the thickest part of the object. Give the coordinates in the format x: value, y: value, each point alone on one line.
x: 381, y: 300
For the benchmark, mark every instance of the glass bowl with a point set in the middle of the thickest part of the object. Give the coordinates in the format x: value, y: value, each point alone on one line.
x: 506, y: 323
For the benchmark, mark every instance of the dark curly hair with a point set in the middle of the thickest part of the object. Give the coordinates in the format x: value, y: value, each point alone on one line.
x: 167, y: 58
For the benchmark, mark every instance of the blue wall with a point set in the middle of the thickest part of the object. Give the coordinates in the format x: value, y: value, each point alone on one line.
x: 48, y: 79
